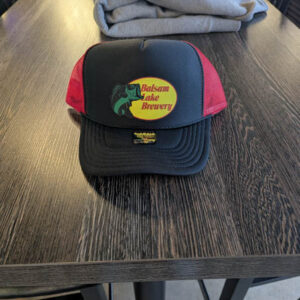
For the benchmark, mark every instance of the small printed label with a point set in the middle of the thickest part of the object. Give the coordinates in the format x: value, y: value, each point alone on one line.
x: 146, y: 98
x: 144, y: 137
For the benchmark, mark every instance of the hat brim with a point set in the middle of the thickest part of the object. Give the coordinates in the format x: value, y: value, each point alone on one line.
x: 107, y: 151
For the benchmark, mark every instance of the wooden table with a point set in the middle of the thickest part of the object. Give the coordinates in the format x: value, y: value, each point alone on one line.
x: 238, y: 218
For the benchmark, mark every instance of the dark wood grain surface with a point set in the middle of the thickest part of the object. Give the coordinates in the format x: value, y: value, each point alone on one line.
x: 240, y: 217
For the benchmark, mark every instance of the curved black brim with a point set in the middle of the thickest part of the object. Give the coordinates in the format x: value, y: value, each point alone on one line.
x: 107, y: 151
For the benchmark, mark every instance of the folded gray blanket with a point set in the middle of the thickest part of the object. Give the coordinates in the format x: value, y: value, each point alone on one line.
x: 139, y: 18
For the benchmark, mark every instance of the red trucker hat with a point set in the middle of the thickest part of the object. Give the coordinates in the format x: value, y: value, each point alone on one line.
x: 146, y: 107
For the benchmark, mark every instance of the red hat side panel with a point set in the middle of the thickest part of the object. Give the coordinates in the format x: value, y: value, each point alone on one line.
x: 75, y: 94
x: 214, y: 98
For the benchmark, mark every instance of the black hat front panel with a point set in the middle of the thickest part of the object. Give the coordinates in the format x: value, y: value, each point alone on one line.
x: 143, y: 84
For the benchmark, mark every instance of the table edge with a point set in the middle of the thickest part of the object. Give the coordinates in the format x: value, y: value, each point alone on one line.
x: 73, y: 273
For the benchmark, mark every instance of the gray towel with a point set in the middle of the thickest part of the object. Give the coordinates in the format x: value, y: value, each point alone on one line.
x: 139, y: 18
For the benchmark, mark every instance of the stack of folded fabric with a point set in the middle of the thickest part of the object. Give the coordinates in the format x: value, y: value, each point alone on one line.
x: 139, y: 18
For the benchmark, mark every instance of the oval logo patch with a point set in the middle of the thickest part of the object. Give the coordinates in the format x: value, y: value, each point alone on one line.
x: 146, y: 98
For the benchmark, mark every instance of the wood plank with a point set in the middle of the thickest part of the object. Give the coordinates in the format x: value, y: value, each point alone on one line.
x: 69, y: 274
